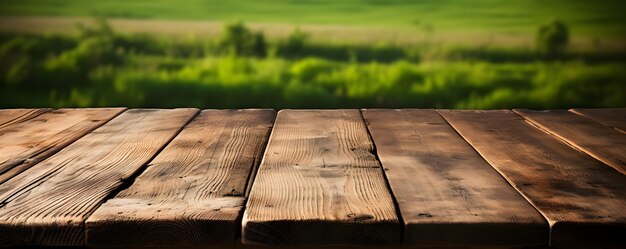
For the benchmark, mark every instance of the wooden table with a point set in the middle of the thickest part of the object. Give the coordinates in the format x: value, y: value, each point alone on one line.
x: 112, y: 177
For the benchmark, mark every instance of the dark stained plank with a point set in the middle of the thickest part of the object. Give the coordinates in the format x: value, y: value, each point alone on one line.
x: 320, y: 184
x: 582, y: 198
x: 613, y: 117
x: 192, y: 193
x: 24, y: 144
x: 447, y: 194
x: 49, y: 204
x: 597, y: 140
x: 15, y: 116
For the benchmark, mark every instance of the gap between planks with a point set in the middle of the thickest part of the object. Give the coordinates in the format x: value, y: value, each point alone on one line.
x: 28, y: 142
x: 15, y: 116
x: 595, y: 139
x: 611, y: 117
x: 386, y: 178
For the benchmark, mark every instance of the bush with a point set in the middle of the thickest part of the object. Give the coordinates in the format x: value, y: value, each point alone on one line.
x: 294, y: 44
x: 258, y: 45
x: 237, y: 39
x: 552, y: 38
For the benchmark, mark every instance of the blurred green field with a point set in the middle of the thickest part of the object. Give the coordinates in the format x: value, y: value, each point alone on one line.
x: 102, y: 68
x: 598, y: 18
x: 349, y: 54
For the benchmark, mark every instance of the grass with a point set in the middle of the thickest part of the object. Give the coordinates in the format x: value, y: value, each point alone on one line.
x: 600, y: 18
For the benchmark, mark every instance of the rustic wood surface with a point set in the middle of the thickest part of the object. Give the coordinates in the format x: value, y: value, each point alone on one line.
x: 26, y: 143
x: 612, y: 117
x: 320, y: 184
x: 49, y: 205
x: 582, y: 199
x: 154, y: 178
x: 602, y: 142
x: 193, y: 192
x: 15, y: 116
x: 447, y: 194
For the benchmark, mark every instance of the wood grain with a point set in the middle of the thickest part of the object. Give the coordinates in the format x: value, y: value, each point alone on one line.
x: 26, y: 143
x: 320, y: 184
x: 49, y: 205
x: 612, y: 117
x: 16, y: 116
x: 192, y: 193
x: 447, y: 194
x: 582, y: 199
x: 599, y: 141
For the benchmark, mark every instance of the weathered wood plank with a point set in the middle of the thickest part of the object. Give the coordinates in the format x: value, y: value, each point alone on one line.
x: 447, y: 194
x: 597, y: 140
x: 24, y: 144
x: 582, y: 198
x: 320, y: 184
x: 15, y: 116
x: 193, y: 192
x: 613, y: 117
x: 49, y: 205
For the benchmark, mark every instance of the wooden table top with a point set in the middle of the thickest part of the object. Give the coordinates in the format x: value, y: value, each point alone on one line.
x: 117, y: 177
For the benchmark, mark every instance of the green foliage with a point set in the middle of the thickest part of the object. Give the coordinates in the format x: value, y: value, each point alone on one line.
x: 237, y: 39
x: 102, y: 68
x: 309, y: 68
x: 552, y: 38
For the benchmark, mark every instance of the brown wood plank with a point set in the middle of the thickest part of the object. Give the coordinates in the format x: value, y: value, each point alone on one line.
x: 613, y: 117
x: 447, y: 194
x: 582, y: 198
x: 15, y: 116
x: 24, y: 144
x: 49, y: 205
x: 192, y: 193
x: 320, y: 184
x: 599, y: 141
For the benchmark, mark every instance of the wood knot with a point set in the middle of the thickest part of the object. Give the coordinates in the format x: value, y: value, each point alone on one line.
x: 233, y: 192
x: 360, y: 217
x: 427, y: 215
